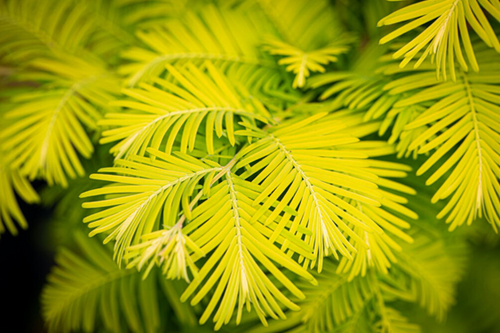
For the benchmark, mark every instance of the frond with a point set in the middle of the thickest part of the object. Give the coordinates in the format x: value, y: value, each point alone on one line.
x: 335, y: 298
x: 390, y: 216
x: 32, y: 29
x: 381, y: 249
x: 111, y: 33
x: 302, y: 63
x: 433, y: 269
x: 342, y: 306
x: 203, y: 100
x: 308, y: 36
x: 147, y: 192
x: 225, y: 37
x: 446, y: 38
x: 12, y: 183
x: 358, y: 323
x: 242, y: 254
x: 369, y: 88
x: 322, y: 177
x: 393, y: 322
x: 237, y: 54
x: 92, y: 30
x: 143, y: 190
x: 335, y: 305
x: 87, y: 289
x: 462, y: 126
x: 169, y: 248
x: 49, y: 126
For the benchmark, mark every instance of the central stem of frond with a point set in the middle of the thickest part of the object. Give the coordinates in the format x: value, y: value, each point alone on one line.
x: 71, y: 91
x: 440, y: 34
x: 479, y: 195
x: 244, y: 286
x: 324, y: 232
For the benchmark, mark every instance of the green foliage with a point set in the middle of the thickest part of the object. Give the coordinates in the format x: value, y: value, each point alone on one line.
x: 188, y: 39
x: 155, y: 112
x: 12, y: 183
x: 426, y: 272
x: 87, y: 289
x: 34, y: 29
x: 448, y: 33
x: 48, y: 126
x: 302, y: 63
x: 463, y: 120
x: 256, y: 150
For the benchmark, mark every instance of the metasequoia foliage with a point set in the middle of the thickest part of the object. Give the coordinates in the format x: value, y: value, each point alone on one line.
x: 260, y: 152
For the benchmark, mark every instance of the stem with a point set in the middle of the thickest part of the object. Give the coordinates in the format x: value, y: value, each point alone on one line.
x: 221, y: 173
x: 479, y: 195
